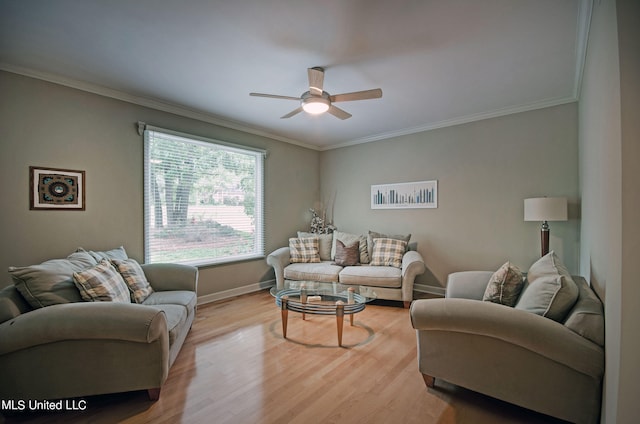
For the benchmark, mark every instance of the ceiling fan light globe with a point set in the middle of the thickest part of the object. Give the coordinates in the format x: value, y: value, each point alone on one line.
x: 315, y: 105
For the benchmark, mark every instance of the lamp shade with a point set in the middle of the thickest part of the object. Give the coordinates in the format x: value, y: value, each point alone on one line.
x: 545, y: 209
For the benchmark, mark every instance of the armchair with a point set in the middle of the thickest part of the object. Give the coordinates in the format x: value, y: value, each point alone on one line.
x: 551, y: 367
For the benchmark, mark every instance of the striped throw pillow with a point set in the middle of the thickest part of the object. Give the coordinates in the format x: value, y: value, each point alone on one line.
x: 304, y: 250
x: 102, y: 283
x: 133, y: 275
x: 388, y: 252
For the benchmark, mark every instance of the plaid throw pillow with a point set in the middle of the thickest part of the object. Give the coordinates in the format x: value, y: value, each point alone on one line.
x: 388, y: 252
x: 133, y: 275
x: 102, y: 283
x: 304, y: 250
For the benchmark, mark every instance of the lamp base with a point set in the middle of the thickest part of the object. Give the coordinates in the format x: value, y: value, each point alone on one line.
x: 544, y: 238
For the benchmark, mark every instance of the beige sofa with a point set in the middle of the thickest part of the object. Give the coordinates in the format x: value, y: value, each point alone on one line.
x: 66, y: 347
x: 555, y: 368
x: 383, y: 282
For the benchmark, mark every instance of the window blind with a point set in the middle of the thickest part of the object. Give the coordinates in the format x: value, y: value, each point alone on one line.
x: 203, y: 199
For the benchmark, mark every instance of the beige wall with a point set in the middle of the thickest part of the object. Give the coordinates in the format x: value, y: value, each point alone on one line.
x: 484, y: 170
x: 628, y: 14
x: 45, y: 124
x: 609, y: 157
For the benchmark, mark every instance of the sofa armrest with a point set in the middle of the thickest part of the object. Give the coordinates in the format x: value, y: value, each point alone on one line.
x: 81, y: 321
x: 412, y: 266
x: 279, y: 259
x: 468, y: 284
x: 529, y: 331
x: 165, y: 277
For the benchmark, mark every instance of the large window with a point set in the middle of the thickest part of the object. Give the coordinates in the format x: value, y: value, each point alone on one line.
x: 203, y: 199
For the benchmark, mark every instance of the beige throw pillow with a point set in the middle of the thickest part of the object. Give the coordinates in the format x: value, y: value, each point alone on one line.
x: 347, y: 239
x: 117, y: 253
x: 550, y: 291
x: 587, y: 316
x: 51, y: 282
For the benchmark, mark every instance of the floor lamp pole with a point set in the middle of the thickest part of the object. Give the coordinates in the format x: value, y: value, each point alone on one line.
x: 544, y: 238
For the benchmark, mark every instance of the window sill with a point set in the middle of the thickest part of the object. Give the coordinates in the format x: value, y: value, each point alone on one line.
x: 224, y: 261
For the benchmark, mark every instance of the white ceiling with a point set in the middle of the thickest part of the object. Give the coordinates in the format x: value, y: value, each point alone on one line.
x: 439, y: 62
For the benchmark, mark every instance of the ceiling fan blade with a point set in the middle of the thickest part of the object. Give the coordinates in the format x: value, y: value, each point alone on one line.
x: 376, y: 93
x: 339, y: 113
x: 274, y: 96
x: 293, y: 112
x: 316, y: 80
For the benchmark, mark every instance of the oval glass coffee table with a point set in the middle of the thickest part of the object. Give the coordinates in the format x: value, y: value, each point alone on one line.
x: 316, y: 298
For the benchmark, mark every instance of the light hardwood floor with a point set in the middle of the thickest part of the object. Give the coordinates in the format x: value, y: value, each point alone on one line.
x: 235, y: 367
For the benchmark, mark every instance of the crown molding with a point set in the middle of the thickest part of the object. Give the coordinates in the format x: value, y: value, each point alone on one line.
x: 585, y: 18
x: 582, y: 42
x: 456, y: 121
x: 152, y: 103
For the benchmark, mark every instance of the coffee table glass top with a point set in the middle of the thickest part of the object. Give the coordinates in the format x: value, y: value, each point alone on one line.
x: 321, y: 298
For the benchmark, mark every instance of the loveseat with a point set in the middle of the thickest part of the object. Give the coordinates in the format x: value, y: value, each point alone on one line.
x: 54, y: 344
x: 392, y: 279
x: 515, y: 353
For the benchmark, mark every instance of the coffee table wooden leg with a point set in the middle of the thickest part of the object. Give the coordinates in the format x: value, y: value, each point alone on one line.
x: 285, y: 314
x: 350, y: 294
x: 303, y: 298
x: 340, y: 319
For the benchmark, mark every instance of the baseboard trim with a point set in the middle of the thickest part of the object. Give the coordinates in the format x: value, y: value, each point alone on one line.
x: 423, y: 288
x: 238, y: 291
x: 251, y: 288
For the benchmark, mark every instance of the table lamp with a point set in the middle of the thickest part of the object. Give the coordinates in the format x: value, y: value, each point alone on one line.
x: 545, y: 209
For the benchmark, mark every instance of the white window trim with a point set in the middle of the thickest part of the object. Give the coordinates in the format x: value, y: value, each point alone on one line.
x: 144, y: 129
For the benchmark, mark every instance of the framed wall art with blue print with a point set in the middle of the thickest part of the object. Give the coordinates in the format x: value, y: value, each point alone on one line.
x: 53, y: 188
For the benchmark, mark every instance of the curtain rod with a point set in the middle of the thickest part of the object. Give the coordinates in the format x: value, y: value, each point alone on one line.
x: 142, y: 127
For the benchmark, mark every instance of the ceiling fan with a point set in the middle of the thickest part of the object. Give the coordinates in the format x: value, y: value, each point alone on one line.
x: 317, y: 101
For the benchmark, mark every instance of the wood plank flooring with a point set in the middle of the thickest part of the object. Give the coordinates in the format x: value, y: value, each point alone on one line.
x: 235, y: 367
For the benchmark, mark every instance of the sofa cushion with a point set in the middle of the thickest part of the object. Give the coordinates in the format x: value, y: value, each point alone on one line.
x: 12, y: 304
x: 587, y: 316
x: 133, y: 275
x: 505, y: 285
x: 185, y: 298
x: 347, y: 239
x: 375, y: 276
x: 388, y: 252
x: 176, y: 319
x: 325, y: 242
x: 51, y: 282
x: 374, y: 235
x: 347, y: 255
x: 102, y: 283
x: 304, y: 250
x: 117, y: 253
x: 550, y: 290
x: 324, y: 272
